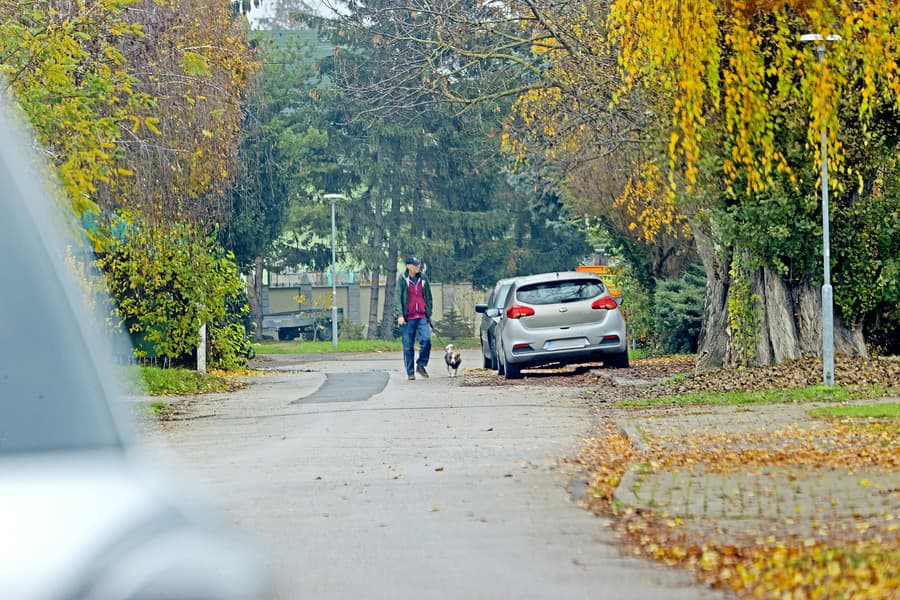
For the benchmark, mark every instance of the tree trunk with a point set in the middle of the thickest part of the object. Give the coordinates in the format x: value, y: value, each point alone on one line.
x: 779, y: 333
x: 848, y: 340
x: 713, y: 344
x: 256, y: 299
x: 387, y: 314
x: 377, y: 241
x: 809, y: 318
x: 387, y: 319
x: 372, y: 326
x: 786, y: 321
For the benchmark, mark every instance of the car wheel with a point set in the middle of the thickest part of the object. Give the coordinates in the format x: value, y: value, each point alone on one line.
x: 619, y: 360
x: 510, y: 371
x: 495, y: 363
x: 485, y: 360
x: 286, y: 334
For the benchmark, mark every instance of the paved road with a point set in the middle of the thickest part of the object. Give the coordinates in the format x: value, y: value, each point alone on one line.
x: 427, y: 489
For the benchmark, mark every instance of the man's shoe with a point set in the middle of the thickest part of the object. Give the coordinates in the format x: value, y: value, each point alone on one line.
x: 421, y: 371
x: 411, y: 377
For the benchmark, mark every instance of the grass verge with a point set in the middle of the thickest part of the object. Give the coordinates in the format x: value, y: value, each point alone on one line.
x: 638, y: 353
x: 887, y: 410
x: 176, y: 382
x: 817, y: 393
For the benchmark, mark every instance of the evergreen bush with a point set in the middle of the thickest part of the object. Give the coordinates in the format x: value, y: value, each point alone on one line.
x: 453, y: 326
x: 348, y: 330
x: 679, y: 310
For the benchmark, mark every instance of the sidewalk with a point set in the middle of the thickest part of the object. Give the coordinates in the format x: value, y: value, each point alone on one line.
x: 748, y: 475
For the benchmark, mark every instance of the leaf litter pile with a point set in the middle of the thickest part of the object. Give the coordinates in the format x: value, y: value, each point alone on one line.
x: 824, y: 518
x: 795, y: 508
x: 587, y: 375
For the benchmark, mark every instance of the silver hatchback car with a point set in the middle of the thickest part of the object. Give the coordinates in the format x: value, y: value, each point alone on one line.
x: 558, y: 318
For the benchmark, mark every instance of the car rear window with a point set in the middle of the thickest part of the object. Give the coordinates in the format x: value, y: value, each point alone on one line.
x: 558, y: 292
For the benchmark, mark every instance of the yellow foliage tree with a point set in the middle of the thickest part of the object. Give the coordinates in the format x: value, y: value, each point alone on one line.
x: 136, y: 101
x: 712, y: 114
x: 63, y: 64
x: 601, y: 145
x: 194, y: 63
x: 742, y: 61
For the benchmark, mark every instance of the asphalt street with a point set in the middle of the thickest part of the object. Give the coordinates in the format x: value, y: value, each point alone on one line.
x: 358, y: 483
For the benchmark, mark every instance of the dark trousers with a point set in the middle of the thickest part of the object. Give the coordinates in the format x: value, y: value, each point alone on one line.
x: 408, y: 332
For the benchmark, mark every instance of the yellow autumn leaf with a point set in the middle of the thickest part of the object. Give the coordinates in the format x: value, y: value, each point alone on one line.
x: 151, y: 123
x: 709, y: 560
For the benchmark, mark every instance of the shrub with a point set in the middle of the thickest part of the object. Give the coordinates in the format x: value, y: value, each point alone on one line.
x: 679, y: 310
x: 348, y: 330
x: 637, y: 307
x: 165, y: 281
x: 229, y: 342
x: 453, y: 326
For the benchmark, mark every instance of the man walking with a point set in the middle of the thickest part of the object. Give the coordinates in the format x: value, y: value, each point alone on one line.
x: 412, y: 307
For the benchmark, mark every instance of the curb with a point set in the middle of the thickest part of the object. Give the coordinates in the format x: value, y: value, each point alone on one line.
x: 633, y: 433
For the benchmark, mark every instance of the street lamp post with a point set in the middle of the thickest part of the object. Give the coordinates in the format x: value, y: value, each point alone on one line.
x: 827, y: 293
x: 334, y: 320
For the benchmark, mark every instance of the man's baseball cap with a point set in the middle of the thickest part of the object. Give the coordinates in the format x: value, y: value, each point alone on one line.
x: 412, y: 260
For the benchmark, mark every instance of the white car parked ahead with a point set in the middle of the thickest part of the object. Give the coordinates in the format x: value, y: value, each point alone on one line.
x: 558, y: 318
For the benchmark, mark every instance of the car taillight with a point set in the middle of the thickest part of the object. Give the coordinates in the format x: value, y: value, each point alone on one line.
x: 517, y: 312
x: 607, y: 302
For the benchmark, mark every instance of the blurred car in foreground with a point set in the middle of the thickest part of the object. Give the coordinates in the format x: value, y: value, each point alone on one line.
x: 82, y: 514
x: 558, y: 318
x: 489, y: 320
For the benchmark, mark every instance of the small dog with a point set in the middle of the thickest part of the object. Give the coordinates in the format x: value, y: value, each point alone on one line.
x: 453, y: 360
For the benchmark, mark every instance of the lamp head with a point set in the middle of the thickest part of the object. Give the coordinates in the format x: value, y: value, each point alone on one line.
x: 818, y: 37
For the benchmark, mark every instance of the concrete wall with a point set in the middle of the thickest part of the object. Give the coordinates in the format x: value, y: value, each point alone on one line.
x: 354, y: 300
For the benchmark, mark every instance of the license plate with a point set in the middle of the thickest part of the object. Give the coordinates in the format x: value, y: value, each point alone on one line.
x: 567, y: 344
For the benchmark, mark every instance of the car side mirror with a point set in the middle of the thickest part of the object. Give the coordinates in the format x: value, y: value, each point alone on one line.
x: 492, y: 312
x: 480, y: 308
x: 619, y: 300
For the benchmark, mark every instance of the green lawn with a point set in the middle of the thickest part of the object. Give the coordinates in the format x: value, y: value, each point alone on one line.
x: 887, y: 410
x: 638, y: 353
x: 816, y: 393
x: 303, y: 347
x: 176, y: 382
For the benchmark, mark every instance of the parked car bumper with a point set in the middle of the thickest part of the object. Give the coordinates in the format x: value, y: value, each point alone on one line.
x: 585, y: 354
x: 576, y: 344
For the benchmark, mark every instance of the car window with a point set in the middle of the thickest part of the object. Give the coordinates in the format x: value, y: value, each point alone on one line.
x: 499, y: 298
x: 558, y: 292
